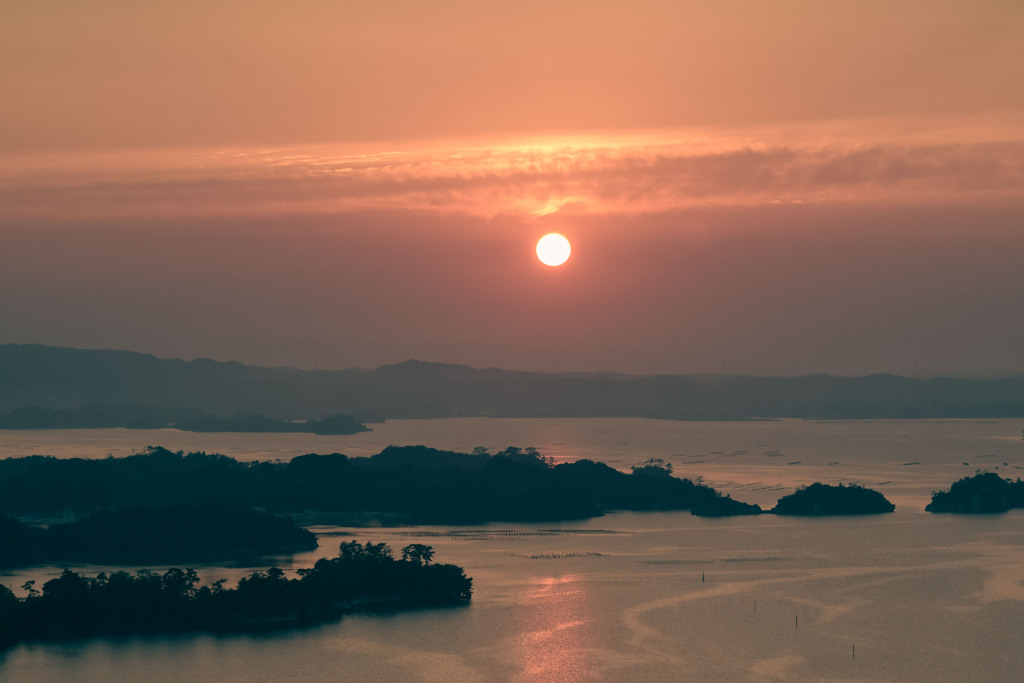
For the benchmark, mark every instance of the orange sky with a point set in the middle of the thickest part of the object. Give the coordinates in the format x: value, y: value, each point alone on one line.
x: 758, y: 187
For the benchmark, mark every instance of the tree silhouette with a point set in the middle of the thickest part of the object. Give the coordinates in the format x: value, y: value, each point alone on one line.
x: 418, y: 553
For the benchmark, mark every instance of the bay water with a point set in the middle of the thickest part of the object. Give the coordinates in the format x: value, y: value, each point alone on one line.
x: 660, y: 596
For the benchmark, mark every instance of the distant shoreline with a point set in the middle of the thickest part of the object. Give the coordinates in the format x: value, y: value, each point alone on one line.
x: 124, y: 388
x: 106, y: 417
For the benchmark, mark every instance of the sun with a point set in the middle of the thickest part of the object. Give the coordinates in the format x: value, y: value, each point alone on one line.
x: 553, y: 249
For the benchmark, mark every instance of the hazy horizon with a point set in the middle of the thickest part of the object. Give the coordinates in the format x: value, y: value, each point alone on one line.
x: 748, y: 188
x: 405, y: 361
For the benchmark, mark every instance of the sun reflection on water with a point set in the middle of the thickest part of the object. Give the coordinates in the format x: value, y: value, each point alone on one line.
x: 557, y: 643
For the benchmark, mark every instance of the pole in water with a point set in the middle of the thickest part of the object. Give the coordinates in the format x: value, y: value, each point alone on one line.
x: 755, y: 606
x: 854, y: 652
x: 796, y: 622
x: 702, y: 577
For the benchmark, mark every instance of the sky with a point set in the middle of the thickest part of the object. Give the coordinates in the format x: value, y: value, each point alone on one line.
x: 767, y: 188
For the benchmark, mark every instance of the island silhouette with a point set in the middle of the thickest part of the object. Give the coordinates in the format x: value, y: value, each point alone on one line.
x: 416, y: 485
x: 827, y: 499
x: 361, y: 577
x: 984, y: 492
x: 406, y: 484
x: 139, y: 535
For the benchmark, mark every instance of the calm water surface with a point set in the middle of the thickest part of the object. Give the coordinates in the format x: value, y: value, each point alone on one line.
x: 908, y: 596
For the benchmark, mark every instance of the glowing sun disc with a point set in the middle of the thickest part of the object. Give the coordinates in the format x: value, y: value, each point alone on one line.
x: 553, y: 249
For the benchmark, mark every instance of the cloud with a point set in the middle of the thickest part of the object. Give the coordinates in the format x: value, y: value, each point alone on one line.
x: 598, y: 175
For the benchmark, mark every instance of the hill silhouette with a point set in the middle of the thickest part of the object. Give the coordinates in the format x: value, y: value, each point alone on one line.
x: 141, y: 390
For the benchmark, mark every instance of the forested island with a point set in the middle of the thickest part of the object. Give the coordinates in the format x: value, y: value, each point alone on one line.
x: 362, y: 577
x: 411, y: 484
x: 145, y: 535
x: 985, y: 492
x: 399, y: 485
x: 826, y: 499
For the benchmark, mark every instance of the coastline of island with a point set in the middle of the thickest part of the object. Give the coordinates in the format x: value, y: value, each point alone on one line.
x: 147, y: 535
x: 826, y: 499
x: 361, y: 578
x: 421, y: 485
x: 982, y: 493
x: 408, y: 484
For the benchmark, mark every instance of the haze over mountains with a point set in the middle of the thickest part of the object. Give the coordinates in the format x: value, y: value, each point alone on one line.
x: 140, y: 388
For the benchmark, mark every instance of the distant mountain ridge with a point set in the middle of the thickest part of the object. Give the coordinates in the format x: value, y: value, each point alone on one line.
x: 65, y: 378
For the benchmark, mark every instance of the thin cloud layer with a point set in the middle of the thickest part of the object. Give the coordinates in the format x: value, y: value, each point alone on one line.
x: 595, y: 176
